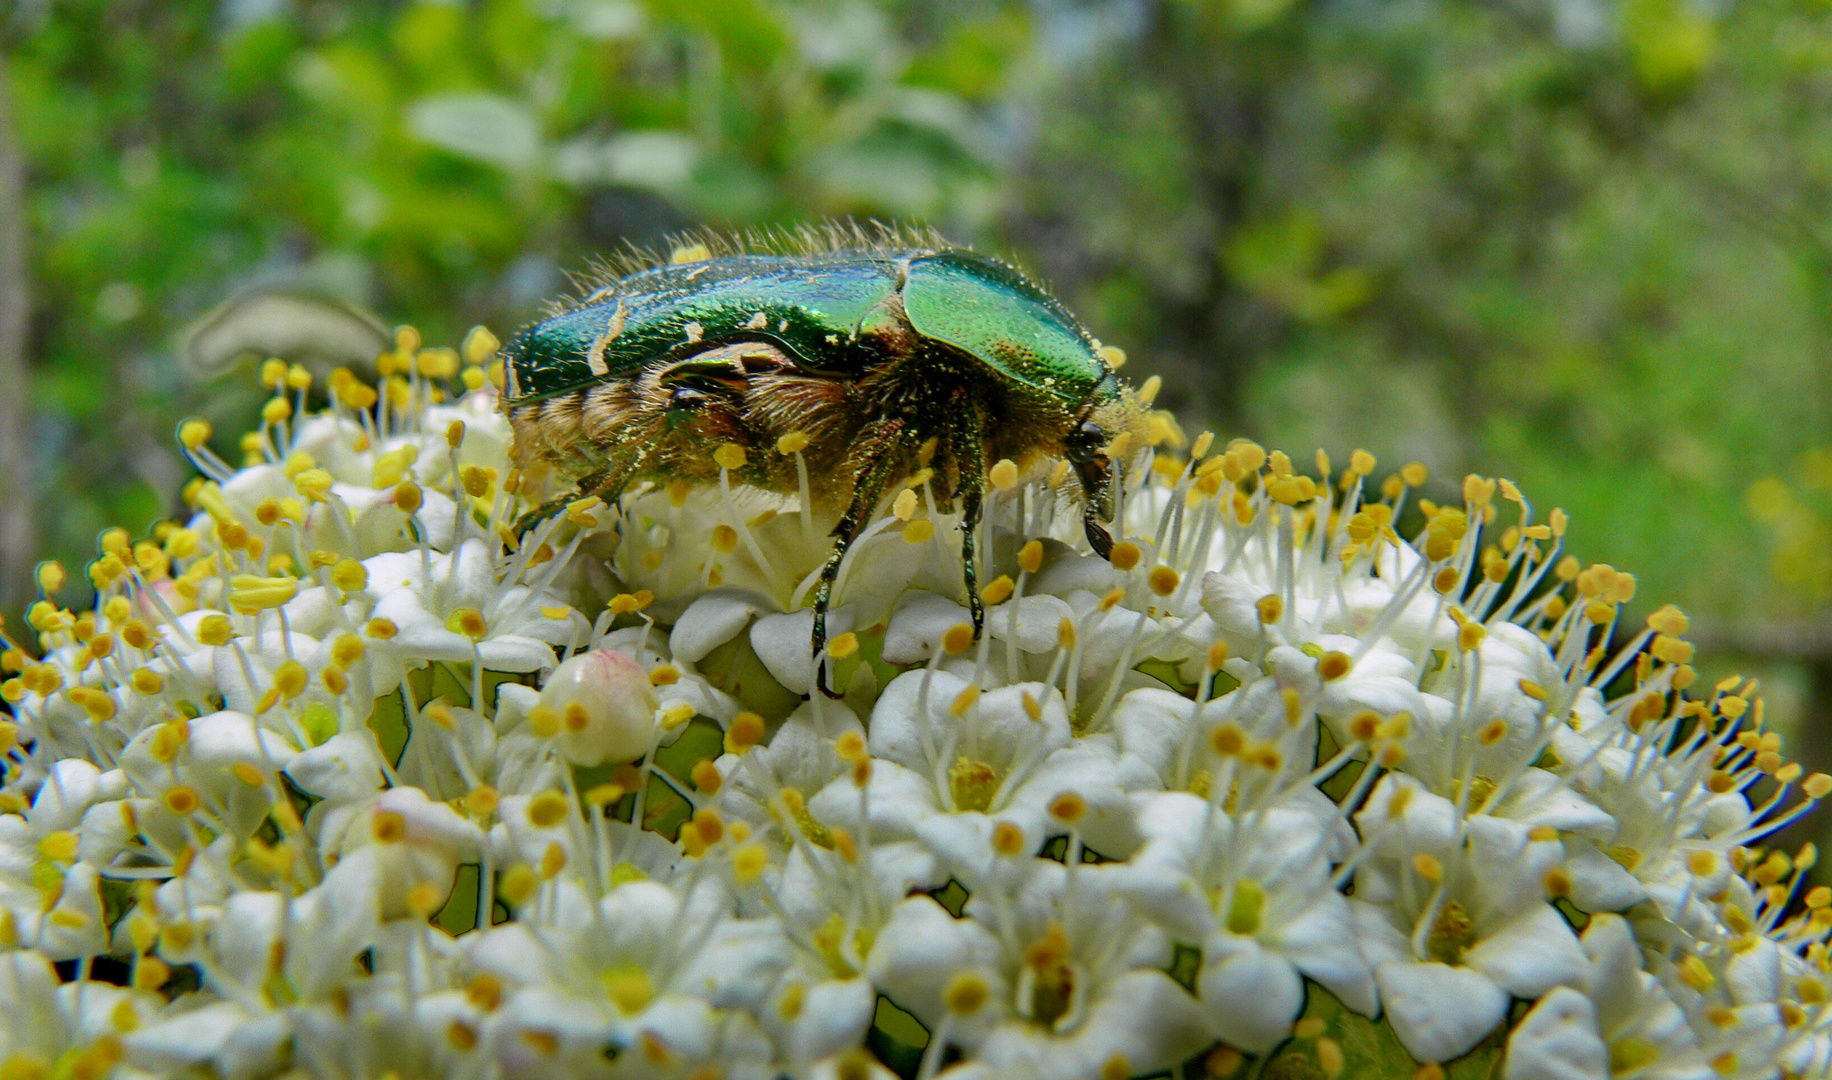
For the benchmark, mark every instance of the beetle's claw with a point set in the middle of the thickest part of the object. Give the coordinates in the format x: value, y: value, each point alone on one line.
x: 1099, y: 538
x: 534, y: 517
x: 820, y: 682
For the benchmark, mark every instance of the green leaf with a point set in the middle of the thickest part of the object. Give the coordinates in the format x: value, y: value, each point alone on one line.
x: 480, y: 126
x: 389, y: 722
x: 1369, y: 1048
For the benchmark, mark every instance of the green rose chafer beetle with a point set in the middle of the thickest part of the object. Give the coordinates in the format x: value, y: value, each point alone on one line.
x: 880, y: 356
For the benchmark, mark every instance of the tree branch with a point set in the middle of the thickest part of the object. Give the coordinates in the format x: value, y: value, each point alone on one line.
x: 18, y: 523
x: 1807, y: 639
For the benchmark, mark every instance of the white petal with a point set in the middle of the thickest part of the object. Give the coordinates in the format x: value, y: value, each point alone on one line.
x: 1381, y: 941
x: 1598, y: 882
x: 1439, y: 1011
x: 738, y: 963
x: 344, y: 766
x: 1558, y: 1040
x: 1613, y: 978
x: 916, y: 627
x: 1039, y: 620
x: 1142, y: 1017
x: 515, y: 652
x: 834, y: 1016
x: 69, y: 787
x: 921, y: 947
x: 1538, y: 797
x: 714, y: 619
x: 1322, y: 944
x: 1530, y: 954
x: 1251, y: 995
x: 782, y: 643
x: 1151, y: 725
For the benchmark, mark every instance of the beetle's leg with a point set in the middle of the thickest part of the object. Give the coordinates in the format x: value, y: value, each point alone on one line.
x: 970, y: 571
x: 970, y: 485
x: 1096, y: 478
x: 867, y: 490
x: 607, y: 482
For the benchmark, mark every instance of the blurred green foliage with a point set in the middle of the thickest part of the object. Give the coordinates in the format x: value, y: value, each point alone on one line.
x: 1580, y: 243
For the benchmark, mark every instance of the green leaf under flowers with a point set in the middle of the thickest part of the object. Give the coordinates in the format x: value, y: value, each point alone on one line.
x: 1369, y: 1048
x: 663, y: 808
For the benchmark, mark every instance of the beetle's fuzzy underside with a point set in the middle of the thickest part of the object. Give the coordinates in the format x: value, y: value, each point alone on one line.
x: 877, y: 399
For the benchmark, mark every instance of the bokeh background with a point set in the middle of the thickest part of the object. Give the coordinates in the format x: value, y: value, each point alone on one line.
x: 1585, y: 244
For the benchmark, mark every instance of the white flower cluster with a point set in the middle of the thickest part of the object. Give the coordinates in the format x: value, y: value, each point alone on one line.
x: 342, y: 778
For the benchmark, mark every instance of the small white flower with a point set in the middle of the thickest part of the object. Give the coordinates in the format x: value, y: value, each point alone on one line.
x: 1256, y: 896
x: 1454, y: 921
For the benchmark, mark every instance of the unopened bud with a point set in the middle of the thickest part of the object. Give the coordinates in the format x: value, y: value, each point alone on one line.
x: 608, y: 704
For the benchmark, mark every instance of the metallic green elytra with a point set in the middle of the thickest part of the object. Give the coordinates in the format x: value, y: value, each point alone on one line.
x: 823, y: 309
x: 889, y: 354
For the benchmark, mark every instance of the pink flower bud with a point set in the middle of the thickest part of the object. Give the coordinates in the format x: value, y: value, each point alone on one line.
x: 606, y: 707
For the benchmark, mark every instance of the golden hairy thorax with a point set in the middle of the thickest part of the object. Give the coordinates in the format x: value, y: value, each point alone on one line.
x: 765, y: 405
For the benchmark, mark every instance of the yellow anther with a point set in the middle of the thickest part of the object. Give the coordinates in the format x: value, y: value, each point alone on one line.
x: 709, y: 825
x: 964, y: 700
x: 749, y: 861
x: 387, y: 827
x: 1427, y: 866
x: 850, y: 746
x: 469, y: 622
x: 350, y: 575
x: 1007, y: 839
x: 548, y: 809
x: 408, y: 498
x: 997, y: 591
x: 97, y: 703
x: 746, y: 731
x: 1694, y: 973
x: 966, y: 993
x: 518, y: 884
x: 1164, y: 580
x: 957, y: 639
x: 58, y: 846
x: 1227, y: 739
x: 249, y: 593
x: 479, y: 345
x: 1334, y: 665
x: 920, y: 531
x: 1125, y: 555
x: 729, y: 456
x: 544, y: 721
x: 724, y: 539
x: 314, y: 484
x: 1271, y: 608
x: 193, y: 434
x: 1003, y: 475
x: 1068, y: 807
x: 290, y: 679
